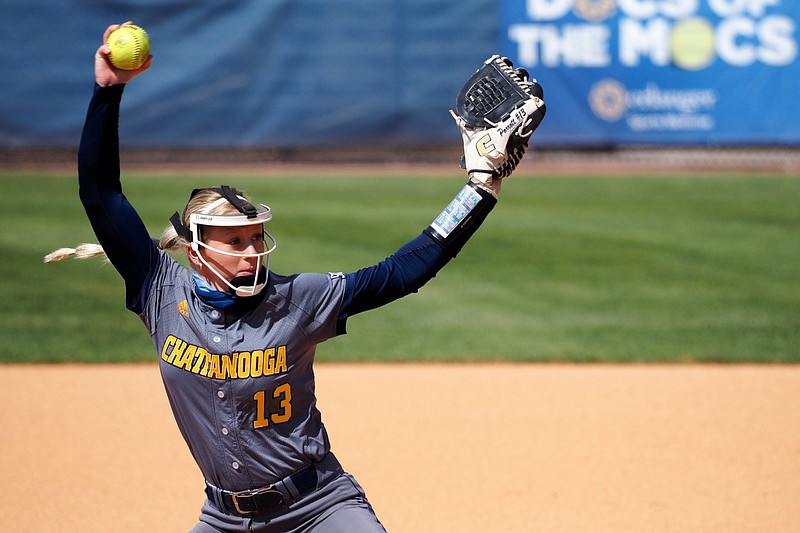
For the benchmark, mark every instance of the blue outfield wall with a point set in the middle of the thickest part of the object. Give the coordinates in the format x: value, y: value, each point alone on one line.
x: 295, y: 73
x: 692, y: 72
x: 254, y: 73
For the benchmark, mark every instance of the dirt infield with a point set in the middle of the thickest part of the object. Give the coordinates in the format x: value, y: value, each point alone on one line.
x: 439, y: 448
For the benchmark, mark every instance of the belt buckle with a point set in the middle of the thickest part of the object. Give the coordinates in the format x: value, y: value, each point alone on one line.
x: 255, y: 494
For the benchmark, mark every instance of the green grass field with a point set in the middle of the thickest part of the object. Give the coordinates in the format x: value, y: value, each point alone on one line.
x: 669, y: 269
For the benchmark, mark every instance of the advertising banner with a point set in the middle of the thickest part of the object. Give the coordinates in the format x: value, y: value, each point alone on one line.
x: 690, y: 72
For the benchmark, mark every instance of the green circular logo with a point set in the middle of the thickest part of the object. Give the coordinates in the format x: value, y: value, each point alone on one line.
x: 692, y: 43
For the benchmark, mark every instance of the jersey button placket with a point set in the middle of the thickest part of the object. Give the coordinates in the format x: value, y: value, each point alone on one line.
x: 228, y: 431
x: 218, y: 342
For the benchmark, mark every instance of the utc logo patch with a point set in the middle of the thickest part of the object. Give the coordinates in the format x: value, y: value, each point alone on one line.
x: 183, y: 308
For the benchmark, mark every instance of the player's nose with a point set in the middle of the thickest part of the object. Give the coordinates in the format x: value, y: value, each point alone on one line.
x: 253, y: 248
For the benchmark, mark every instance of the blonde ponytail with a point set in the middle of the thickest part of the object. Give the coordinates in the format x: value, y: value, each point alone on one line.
x: 82, y: 251
x: 170, y: 240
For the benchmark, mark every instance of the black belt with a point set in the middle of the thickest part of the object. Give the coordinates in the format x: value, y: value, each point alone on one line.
x: 277, y: 497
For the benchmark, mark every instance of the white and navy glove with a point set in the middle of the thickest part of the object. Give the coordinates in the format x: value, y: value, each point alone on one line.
x: 497, y: 111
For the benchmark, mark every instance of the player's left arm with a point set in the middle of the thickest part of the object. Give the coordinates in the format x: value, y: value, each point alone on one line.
x: 419, y: 260
x: 405, y: 272
x: 495, y: 135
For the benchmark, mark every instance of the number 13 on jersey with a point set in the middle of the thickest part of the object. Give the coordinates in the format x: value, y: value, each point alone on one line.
x: 283, y: 395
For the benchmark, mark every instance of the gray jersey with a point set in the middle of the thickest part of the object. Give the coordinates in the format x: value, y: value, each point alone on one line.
x: 242, y: 388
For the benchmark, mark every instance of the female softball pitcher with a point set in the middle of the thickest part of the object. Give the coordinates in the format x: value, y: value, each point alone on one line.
x: 236, y: 342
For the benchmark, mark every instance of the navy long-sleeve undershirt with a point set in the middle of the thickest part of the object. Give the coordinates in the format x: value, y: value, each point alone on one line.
x: 130, y: 249
x: 115, y: 222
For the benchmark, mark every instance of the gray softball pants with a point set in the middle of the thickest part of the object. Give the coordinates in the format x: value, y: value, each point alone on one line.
x: 338, y: 507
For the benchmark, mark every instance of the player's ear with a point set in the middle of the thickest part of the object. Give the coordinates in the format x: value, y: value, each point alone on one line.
x: 194, y: 259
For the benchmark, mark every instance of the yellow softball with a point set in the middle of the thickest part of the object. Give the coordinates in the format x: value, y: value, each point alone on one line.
x: 130, y: 47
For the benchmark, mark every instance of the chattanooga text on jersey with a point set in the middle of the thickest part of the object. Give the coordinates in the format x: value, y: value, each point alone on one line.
x: 238, y: 365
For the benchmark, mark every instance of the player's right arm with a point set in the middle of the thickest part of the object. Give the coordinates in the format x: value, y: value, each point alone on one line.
x: 118, y: 227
